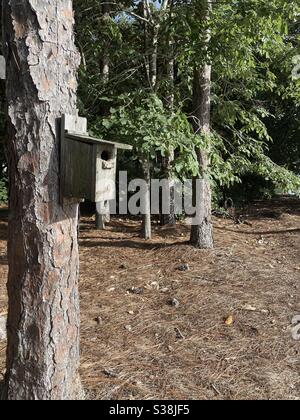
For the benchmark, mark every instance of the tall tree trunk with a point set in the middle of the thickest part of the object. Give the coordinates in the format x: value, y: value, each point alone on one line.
x: 154, y: 57
x: 202, y: 231
x: 102, y: 209
x: 169, y: 219
x: 147, y: 228
x: 43, y: 319
x: 105, y: 61
x: 151, y: 76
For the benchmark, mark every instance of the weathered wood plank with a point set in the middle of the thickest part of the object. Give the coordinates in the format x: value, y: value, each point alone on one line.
x: 75, y: 124
x: 68, y: 163
x: 105, y: 186
x: 93, y: 140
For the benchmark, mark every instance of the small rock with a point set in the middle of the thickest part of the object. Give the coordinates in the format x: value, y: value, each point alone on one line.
x: 2, y: 328
x: 249, y: 308
x: 137, y: 383
x: 123, y: 267
x: 131, y: 312
x: 128, y: 328
x: 155, y: 285
x: 110, y: 373
x: 183, y: 267
x: 174, y: 302
x: 136, y: 290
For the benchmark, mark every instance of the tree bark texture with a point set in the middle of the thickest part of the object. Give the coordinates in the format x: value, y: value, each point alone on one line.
x: 43, y: 319
x: 202, y: 231
x: 147, y: 227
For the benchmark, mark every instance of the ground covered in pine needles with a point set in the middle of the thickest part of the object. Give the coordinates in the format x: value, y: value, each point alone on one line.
x: 161, y: 320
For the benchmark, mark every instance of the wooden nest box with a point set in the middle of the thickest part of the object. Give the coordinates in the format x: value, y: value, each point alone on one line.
x: 88, y: 164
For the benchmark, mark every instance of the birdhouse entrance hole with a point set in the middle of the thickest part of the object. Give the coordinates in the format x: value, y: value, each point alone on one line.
x: 105, y: 155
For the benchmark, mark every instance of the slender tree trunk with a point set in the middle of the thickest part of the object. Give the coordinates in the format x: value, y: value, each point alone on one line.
x: 154, y: 57
x: 43, y: 319
x: 102, y: 209
x: 105, y: 62
x: 169, y: 219
x: 146, y: 227
x: 146, y: 46
x: 202, y: 231
x: 151, y: 76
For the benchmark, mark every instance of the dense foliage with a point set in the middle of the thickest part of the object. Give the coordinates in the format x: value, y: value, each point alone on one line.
x: 136, y: 83
x: 255, y: 114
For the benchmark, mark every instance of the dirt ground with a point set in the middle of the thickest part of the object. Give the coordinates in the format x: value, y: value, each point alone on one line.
x: 161, y: 320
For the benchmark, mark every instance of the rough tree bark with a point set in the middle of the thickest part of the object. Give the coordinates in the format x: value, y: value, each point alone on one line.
x: 146, y: 227
x: 202, y: 231
x: 43, y: 319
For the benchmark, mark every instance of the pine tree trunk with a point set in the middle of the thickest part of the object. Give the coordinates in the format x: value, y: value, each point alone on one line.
x: 154, y: 57
x: 43, y: 319
x: 146, y: 227
x: 202, y: 231
x: 105, y: 59
x: 169, y: 219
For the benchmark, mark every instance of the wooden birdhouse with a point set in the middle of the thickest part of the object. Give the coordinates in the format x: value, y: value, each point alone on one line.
x: 88, y: 164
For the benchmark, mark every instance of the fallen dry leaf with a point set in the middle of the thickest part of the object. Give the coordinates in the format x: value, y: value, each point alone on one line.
x: 229, y: 321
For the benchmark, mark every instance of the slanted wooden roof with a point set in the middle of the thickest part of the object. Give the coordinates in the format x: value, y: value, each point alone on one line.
x: 86, y: 138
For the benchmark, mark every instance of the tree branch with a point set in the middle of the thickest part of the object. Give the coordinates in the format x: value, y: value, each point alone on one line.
x: 148, y: 9
x: 138, y: 17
